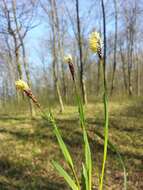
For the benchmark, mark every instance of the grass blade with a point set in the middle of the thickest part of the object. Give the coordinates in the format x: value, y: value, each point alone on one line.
x: 62, y: 145
x: 84, y: 178
x: 88, y: 160
x: 113, y: 148
x: 65, y: 175
x: 87, y: 152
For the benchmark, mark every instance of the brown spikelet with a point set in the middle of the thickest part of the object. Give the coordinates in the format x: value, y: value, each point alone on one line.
x: 71, y: 67
x: 32, y: 97
x: 99, y: 53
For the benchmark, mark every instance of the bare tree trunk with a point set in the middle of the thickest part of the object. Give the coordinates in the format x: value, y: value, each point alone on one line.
x: 31, y: 106
x: 130, y: 83
x: 61, y: 54
x: 11, y: 69
x: 115, y: 48
x: 16, y: 45
x: 123, y: 68
x: 19, y: 69
x: 130, y: 62
x: 64, y: 82
x: 56, y: 82
x: 84, y: 96
x: 32, y: 111
x: 138, y: 77
x: 55, y: 60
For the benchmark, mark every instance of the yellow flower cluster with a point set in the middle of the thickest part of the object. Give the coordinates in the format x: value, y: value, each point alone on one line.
x: 95, y: 42
x: 68, y: 58
x: 21, y: 85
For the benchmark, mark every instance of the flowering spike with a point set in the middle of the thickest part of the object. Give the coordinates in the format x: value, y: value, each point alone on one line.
x: 71, y: 67
x: 68, y: 58
x: 95, y: 43
x: 23, y: 86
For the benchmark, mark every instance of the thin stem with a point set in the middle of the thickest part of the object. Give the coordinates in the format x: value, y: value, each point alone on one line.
x: 75, y: 176
x: 105, y: 101
x: 106, y: 118
x: 105, y: 139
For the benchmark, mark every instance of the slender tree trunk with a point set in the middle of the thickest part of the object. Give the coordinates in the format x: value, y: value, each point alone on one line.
x: 81, y: 56
x: 32, y: 111
x: 61, y: 54
x: 55, y: 60
x: 16, y: 45
x: 130, y: 83
x: 138, y: 85
x: 129, y: 73
x: 138, y: 77
x: 130, y: 59
x: 124, y: 69
x: 19, y: 69
x: 64, y: 83
x: 115, y: 48
x: 27, y: 72
x: 31, y: 106
x: 56, y: 82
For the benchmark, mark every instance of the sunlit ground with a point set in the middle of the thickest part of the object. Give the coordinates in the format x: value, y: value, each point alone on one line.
x: 28, y: 146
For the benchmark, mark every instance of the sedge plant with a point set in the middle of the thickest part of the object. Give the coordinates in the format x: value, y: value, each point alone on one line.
x: 73, y: 181
x: 87, y: 165
x: 71, y: 177
x: 95, y: 44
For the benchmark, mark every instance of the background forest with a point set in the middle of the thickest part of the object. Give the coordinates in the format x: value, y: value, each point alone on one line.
x: 35, y: 36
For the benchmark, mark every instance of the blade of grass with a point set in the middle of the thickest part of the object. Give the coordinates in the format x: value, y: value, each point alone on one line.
x: 113, y: 148
x: 84, y: 178
x: 61, y: 142
x: 65, y: 175
x: 88, y: 159
x: 64, y: 149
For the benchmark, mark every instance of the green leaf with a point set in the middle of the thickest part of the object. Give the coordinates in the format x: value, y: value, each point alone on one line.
x: 88, y: 160
x: 61, y: 143
x: 87, y: 152
x: 113, y: 148
x: 65, y: 175
x: 84, y: 178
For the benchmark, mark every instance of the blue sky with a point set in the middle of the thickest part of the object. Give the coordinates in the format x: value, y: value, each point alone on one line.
x: 41, y: 31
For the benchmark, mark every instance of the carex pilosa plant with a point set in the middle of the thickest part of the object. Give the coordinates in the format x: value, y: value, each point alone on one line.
x: 74, y: 181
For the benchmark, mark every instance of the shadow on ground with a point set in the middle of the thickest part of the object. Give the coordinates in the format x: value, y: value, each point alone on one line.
x: 34, y: 140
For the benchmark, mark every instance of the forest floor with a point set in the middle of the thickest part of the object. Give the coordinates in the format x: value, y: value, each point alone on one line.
x: 27, y: 147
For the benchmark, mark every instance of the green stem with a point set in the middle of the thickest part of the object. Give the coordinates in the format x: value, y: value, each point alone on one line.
x: 105, y: 139
x: 114, y: 149
x: 106, y: 119
x: 76, y: 178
